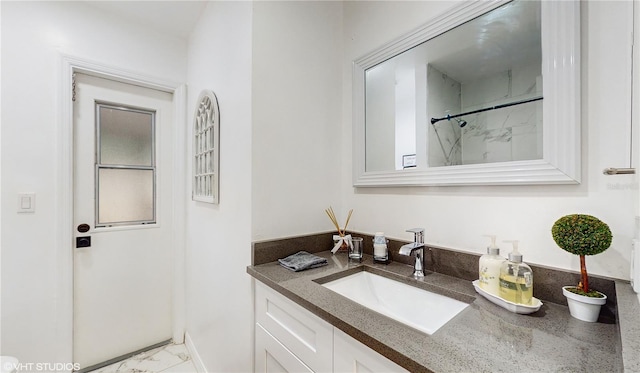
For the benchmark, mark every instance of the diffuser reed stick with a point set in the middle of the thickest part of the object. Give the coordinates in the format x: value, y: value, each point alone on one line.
x: 334, y: 220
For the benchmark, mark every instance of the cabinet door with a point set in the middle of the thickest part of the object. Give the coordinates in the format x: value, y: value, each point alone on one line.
x: 304, y: 334
x: 272, y: 357
x: 350, y: 355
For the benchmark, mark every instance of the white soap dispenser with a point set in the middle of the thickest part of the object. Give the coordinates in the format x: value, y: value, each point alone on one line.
x: 516, y: 278
x: 489, y: 268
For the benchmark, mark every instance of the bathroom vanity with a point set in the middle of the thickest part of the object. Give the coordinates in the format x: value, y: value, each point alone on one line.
x: 299, y: 321
x: 290, y: 338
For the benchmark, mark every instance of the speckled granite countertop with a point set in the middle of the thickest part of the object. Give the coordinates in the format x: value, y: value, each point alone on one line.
x: 629, y: 319
x: 482, y: 338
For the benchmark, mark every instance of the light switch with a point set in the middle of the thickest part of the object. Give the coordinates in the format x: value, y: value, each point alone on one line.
x: 26, y: 202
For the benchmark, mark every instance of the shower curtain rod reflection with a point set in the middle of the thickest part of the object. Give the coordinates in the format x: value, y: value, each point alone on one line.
x: 449, y: 117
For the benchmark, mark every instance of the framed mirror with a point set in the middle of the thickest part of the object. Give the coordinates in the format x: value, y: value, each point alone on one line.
x: 206, y: 149
x: 485, y: 94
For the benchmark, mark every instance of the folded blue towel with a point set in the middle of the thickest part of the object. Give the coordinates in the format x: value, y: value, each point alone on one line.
x: 302, y: 260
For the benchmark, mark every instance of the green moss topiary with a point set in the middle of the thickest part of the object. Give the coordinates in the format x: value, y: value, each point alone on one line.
x: 582, y: 235
x: 591, y: 294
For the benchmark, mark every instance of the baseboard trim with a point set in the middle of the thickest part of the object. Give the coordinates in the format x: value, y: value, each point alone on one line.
x: 122, y: 357
x: 197, y: 361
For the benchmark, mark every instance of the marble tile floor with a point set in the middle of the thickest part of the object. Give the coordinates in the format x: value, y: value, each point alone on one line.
x: 171, y: 358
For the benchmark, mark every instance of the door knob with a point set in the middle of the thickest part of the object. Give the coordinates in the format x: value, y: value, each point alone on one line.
x: 83, y: 228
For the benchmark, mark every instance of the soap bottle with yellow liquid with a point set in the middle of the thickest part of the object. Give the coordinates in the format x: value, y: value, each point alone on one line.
x: 516, y: 278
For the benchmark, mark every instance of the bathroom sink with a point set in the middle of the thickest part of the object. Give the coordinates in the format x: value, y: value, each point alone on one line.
x: 412, y: 306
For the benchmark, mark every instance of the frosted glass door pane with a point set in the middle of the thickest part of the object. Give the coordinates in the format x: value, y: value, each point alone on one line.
x: 126, y: 137
x: 125, y: 195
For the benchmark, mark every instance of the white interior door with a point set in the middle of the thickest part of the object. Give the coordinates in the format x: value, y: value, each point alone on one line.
x: 122, y: 207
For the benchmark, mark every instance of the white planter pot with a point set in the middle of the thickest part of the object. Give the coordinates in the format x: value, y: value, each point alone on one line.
x: 582, y: 307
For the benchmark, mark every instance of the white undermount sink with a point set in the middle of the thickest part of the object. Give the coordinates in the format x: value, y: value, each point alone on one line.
x: 412, y: 306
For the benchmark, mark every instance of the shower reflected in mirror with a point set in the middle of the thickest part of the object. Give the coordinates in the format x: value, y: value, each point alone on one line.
x: 452, y: 151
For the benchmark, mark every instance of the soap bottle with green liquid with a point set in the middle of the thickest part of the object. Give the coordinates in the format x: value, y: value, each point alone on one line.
x: 516, y: 278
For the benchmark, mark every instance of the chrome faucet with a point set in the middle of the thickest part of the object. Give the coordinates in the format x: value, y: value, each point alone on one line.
x: 418, y: 246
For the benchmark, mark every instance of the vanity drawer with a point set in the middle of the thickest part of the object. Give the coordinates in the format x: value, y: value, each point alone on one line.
x: 272, y: 356
x: 307, y: 336
x: 351, y: 356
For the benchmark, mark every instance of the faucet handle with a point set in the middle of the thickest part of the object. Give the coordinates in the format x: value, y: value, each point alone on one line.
x: 418, y: 234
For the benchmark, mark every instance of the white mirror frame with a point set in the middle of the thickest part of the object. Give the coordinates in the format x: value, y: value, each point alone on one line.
x: 561, y: 106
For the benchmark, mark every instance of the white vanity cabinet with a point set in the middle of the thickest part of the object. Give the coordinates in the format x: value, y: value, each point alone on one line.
x: 273, y: 357
x: 352, y: 356
x: 289, y: 338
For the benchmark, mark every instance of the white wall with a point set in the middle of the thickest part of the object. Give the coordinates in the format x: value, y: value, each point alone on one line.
x: 456, y: 217
x: 218, y: 290
x: 380, y: 111
x: 34, y: 313
x: 279, y: 100
x: 296, y: 161
x: 407, y: 108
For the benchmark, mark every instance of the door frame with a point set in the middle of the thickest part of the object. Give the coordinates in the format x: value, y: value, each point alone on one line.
x: 68, y: 66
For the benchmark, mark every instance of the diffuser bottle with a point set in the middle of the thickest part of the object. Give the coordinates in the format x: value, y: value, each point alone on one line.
x: 516, y: 278
x: 489, y: 268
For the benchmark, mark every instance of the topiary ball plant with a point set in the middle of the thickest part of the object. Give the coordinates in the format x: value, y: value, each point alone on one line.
x: 582, y: 235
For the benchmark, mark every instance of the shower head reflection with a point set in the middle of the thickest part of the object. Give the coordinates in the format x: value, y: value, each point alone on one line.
x: 461, y: 122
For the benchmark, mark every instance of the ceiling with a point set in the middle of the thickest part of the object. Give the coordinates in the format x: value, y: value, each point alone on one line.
x: 175, y: 18
x: 505, y: 38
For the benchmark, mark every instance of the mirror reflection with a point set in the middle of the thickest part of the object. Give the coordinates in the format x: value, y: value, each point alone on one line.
x: 468, y: 96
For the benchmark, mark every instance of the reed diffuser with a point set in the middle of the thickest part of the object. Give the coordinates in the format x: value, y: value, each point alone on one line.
x: 342, y: 239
